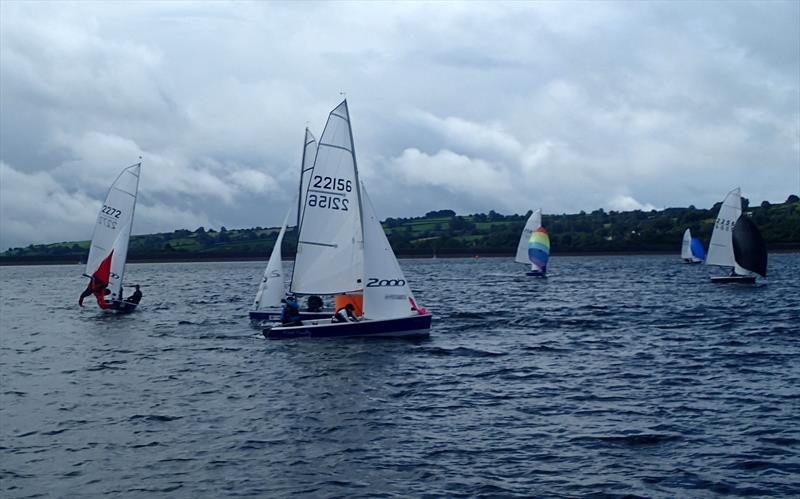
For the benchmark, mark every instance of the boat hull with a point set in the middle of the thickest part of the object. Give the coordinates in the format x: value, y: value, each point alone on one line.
x: 274, y: 315
x: 737, y: 279
x: 412, y: 326
x: 536, y: 273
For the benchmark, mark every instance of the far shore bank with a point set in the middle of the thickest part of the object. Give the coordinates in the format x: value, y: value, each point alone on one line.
x: 8, y: 262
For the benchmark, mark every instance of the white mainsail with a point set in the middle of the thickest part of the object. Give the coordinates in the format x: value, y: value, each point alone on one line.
x: 330, y: 248
x: 386, y: 291
x: 720, y: 250
x: 686, y: 248
x: 270, y: 291
x: 533, y: 223
x: 306, y: 166
x: 113, y: 229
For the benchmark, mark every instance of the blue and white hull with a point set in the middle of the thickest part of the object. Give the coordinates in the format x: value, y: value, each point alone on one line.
x: 412, y: 326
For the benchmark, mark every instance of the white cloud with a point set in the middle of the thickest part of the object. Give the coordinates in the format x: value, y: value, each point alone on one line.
x: 484, y: 106
x: 627, y: 203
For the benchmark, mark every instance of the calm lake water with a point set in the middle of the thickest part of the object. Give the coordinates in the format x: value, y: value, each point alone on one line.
x: 615, y: 376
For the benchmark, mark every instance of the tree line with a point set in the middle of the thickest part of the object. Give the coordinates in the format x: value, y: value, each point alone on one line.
x: 444, y: 233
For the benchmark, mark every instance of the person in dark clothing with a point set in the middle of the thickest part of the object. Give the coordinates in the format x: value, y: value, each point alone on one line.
x: 314, y: 303
x: 290, y: 314
x: 136, y: 297
x: 97, y: 288
x: 345, y: 314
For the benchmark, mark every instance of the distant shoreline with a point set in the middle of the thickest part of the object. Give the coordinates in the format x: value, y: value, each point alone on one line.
x: 32, y: 262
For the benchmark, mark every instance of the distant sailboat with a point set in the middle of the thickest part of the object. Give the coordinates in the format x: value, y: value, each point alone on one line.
x: 692, y: 250
x: 736, y: 242
x: 342, y: 249
x: 271, y: 290
x: 108, y: 252
x: 534, y: 246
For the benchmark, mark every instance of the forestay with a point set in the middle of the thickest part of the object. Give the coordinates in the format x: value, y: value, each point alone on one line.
x: 330, y: 247
x: 534, y: 221
x: 109, y: 248
x: 270, y: 291
x: 386, y: 291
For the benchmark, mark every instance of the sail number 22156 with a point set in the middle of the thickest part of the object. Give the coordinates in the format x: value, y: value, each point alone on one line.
x: 332, y: 183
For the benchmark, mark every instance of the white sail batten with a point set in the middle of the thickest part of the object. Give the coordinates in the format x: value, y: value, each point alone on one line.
x: 720, y: 250
x: 330, y: 248
x: 270, y: 291
x: 686, y: 249
x: 386, y: 291
x: 113, y: 228
x: 533, y: 223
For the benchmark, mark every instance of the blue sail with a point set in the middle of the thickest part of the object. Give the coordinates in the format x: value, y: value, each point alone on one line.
x: 697, y: 249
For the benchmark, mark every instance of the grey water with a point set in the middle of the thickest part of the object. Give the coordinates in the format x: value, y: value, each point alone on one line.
x: 616, y: 376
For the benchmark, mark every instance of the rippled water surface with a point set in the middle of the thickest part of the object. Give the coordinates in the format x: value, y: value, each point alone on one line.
x: 617, y: 375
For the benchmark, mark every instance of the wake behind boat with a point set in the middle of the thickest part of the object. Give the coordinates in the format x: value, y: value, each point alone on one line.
x: 108, y: 253
x: 736, y: 242
x: 342, y: 249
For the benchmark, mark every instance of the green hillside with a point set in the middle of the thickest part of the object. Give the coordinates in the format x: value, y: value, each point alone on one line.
x: 444, y: 233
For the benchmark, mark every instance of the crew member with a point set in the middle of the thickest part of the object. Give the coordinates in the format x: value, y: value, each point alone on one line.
x: 345, y: 314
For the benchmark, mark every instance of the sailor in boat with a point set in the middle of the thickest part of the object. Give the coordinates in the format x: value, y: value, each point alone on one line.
x: 314, y: 304
x: 290, y: 314
x: 99, y: 289
x: 345, y: 314
x: 136, y: 297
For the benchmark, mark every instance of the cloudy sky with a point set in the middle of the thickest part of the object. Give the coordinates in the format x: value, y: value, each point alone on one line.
x: 471, y: 106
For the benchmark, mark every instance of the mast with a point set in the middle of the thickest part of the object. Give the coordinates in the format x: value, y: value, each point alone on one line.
x: 355, y: 170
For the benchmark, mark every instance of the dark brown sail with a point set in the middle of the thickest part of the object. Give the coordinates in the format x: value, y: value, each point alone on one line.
x: 749, y: 249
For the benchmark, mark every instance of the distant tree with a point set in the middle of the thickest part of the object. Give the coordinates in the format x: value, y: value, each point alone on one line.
x: 765, y: 204
x: 200, y: 230
x: 222, y: 229
x: 792, y: 199
x: 440, y: 213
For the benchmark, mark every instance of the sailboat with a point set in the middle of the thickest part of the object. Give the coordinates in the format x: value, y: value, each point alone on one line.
x: 736, y: 242
x: 271, y: 290
x: 692, y: 250
x: 105, y: 266
x: 534, y: 246
x: 343, y: 250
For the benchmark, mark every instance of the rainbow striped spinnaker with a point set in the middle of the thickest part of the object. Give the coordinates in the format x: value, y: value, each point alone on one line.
x: 539, y: 249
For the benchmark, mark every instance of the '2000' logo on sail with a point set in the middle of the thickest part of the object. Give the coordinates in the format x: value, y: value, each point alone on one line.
x: 375, y: 282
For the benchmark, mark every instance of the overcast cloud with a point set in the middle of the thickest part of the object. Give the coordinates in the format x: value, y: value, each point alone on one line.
x: 566, y: 106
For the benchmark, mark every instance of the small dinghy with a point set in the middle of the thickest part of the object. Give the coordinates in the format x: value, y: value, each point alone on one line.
x: 692, y: 250
x: 271, y: 290
x: 108, y: 253
x: 737, y: 243
x: 534, y: 246
x: 342, y: 249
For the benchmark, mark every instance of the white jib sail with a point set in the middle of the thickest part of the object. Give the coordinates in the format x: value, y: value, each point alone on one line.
x: 270, y: 291
x: 386, y: 291
x: 533, y: 223
x: 686, y: 249
x: 720, y: 250
x: 330, y: 248
x: 113, y: 228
